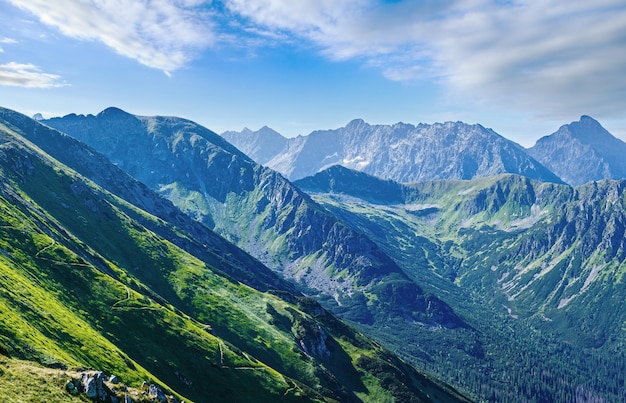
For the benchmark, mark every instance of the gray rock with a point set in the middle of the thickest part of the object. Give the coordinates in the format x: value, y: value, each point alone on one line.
x: 92, y: 383
x: 93, y: 386
x: 401, y: 152
x: 582, y: 152
x: 156, y: 392
x: 261, y: 145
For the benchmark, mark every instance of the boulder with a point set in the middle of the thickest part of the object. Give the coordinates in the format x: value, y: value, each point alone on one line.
x: 156, y: 392
x: 92, y: 384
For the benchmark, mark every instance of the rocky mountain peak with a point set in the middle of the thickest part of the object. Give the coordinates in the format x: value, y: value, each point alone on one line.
x: 582, y: 151
x: 356, y: 124
x: 401, y: 152
x: 587, y: 130
x: 260, y: 145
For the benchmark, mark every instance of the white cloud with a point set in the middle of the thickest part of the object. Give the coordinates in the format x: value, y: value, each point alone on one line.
x: 554, y: 57
x: 5, y: 40
x: 163, y: 34
x: 27, y: 75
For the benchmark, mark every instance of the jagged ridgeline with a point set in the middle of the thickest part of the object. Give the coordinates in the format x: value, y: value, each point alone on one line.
x: 401, y: 152
x: 120, y: 281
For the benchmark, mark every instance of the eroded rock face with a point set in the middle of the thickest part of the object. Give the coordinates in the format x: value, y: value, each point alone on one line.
x: 312, y: 339
x: 401, y: 152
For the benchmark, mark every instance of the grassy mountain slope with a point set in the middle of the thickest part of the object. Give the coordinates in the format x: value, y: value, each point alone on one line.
x: 188, y: 233
x: 536, y: 268
x: 85, y: 283
x: 261, y: 212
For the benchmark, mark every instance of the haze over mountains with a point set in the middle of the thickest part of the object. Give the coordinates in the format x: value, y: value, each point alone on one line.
x: 577, y: 153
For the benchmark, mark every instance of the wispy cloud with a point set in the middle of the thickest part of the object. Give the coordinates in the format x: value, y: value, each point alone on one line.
x: 554, y: 57
x: 27, y: 75
x: 6, y: 40
x: 163, y: 34
x: 551, y: 57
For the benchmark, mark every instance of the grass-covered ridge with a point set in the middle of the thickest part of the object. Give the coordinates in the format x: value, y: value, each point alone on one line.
x: 88, y: 280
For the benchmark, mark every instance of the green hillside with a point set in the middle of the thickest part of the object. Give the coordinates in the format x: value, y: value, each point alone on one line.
x: 258, y: 210
x: 535, y: 268
x: 85, y: 284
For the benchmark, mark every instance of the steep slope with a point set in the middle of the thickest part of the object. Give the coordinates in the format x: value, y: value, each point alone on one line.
x: 204, y: 243
x: 536, y: 268
x: 407, y: 153
x: 260, y: 211
x: 261, y: 145
x: 85, y: 283
x: 582, y: 152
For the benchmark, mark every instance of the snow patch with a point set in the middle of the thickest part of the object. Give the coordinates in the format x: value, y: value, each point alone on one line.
x: 592, y: 276
x: 466, y: 191
x: 510, y: 311
x: 358, y: 162
x: 524, y: 223
x: 420, y: 207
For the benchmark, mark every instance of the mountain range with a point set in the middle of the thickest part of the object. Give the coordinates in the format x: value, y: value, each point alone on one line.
x: 460, y: 277
x: 545, y: 251
x: 152, y: 249
x: 577, y: 153
x: 101, y: 275
x: 548, y: 256
x: 257, y: 209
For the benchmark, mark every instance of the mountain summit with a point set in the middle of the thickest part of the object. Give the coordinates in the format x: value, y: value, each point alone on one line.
x: 406, y: 153
x: 581, y: 152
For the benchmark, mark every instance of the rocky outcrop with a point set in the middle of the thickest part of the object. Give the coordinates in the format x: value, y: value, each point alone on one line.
x: 311, y: 337
x: 157, y: 393
x: 93, y: 385
x: 96, y: 386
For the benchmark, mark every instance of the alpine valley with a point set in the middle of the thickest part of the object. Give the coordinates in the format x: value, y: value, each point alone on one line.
x: 434, y: 262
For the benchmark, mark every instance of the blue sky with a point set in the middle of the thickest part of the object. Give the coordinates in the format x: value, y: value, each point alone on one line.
x: 521, y: 68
